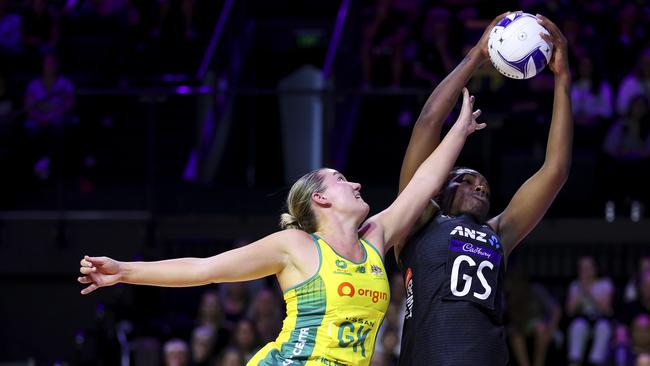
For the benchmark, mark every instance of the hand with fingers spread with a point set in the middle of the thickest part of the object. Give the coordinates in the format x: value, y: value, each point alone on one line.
x: 98, y: 272
x: 482, y: 44
x: 559, y: 62
x: 467, y: 116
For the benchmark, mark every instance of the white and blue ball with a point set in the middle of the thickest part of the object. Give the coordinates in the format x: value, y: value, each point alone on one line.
x: 515, y: 47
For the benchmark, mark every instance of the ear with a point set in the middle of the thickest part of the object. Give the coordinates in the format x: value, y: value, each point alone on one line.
x: 319, y: 198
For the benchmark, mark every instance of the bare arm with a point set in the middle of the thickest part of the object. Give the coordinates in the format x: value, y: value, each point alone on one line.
x: 396, y: 221
x: 534, y: 197
x: 426, y: 132
x: 269, y: 255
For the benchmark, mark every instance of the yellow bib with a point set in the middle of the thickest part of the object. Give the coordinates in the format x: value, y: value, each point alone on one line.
x: 333, y: 317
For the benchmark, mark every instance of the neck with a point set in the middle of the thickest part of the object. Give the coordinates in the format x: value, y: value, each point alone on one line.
x: 339, y: 238
x: 342, y: 234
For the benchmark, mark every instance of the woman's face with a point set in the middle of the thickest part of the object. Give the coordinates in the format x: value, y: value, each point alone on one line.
x: 471, y: 195
x: 210, y: 306
x: 341, y: 194
x: 586, y: 268
x: 245, y: 335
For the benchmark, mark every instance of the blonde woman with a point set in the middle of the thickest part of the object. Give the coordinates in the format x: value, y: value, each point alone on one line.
x: 328, y: 259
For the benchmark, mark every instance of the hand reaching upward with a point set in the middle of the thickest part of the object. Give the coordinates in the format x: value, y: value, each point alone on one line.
x: 467, y: 118
x: 559, y: 62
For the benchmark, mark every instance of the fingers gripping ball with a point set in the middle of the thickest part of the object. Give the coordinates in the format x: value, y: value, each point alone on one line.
x: 516, y: 48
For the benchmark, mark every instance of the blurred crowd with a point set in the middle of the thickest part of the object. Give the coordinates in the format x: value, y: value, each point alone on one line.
x: 49, y: 49
x: 411, y: 43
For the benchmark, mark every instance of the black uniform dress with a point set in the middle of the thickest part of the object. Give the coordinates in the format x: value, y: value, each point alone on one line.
x: 453, y: 271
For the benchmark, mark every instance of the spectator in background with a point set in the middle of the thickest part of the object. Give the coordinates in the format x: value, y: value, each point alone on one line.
x: 641, y: 335
x: 632, y: 341
x: 386, y: 34
x: 230, y: 357
x: 627, y: 152
x: 235, y: 301
x: 176, y: 353
x: 203, y: 342
x: 634, y: 84
x: 266, y: 314
x: 640, y: 306
x: 211, y: 314
x: 435, y: 54
x: 589, y: 306
x: 49, y: 100
x: 592, y: 102
x: 629, y: 32
x: 580, y: 43
x: 531, y: 312
x: 632, y: 288
x: 245, y: 339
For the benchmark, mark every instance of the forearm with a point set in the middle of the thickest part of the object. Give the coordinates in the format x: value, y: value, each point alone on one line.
x: 180, y: 272
x: 427, y: 180
x: 444, y: 96
x: 560, y: 139
x: 426, y: 132
x: 435, y: 168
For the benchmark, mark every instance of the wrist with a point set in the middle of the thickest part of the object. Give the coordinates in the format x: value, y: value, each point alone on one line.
x: 123, y: 271
x: 459, y: 130
x: 476, y: 53
x: 563, y: 77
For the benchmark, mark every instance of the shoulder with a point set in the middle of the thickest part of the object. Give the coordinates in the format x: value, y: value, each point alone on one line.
x: 373, y: 232
x: 291, y: 241
x: 291, y: 237
x: 297, y: 244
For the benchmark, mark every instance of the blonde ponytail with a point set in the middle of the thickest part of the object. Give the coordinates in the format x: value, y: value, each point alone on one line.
x: 300, y: 215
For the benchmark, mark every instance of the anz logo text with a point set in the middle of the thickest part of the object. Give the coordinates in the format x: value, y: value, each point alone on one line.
x: 469, y: 233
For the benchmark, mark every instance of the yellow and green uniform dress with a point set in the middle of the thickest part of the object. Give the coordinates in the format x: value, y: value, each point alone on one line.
x: 333, y: 317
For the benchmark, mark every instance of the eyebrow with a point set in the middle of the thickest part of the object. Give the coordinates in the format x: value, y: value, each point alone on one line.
x: 473, y: 175
x: 335, y: 173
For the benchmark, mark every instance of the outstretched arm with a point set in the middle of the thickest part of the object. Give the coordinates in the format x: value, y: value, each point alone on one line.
x: 269, y: 255
x: 394, y: 223
x: 426, y: 132
x: 533, y: 199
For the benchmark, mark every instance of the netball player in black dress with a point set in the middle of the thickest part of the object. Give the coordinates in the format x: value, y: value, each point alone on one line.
x: 454, y: 264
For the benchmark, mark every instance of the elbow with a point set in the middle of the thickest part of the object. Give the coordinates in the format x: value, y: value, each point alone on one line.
x: 562, y: 173
x: 559, y: 173
x: 203, y: 272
